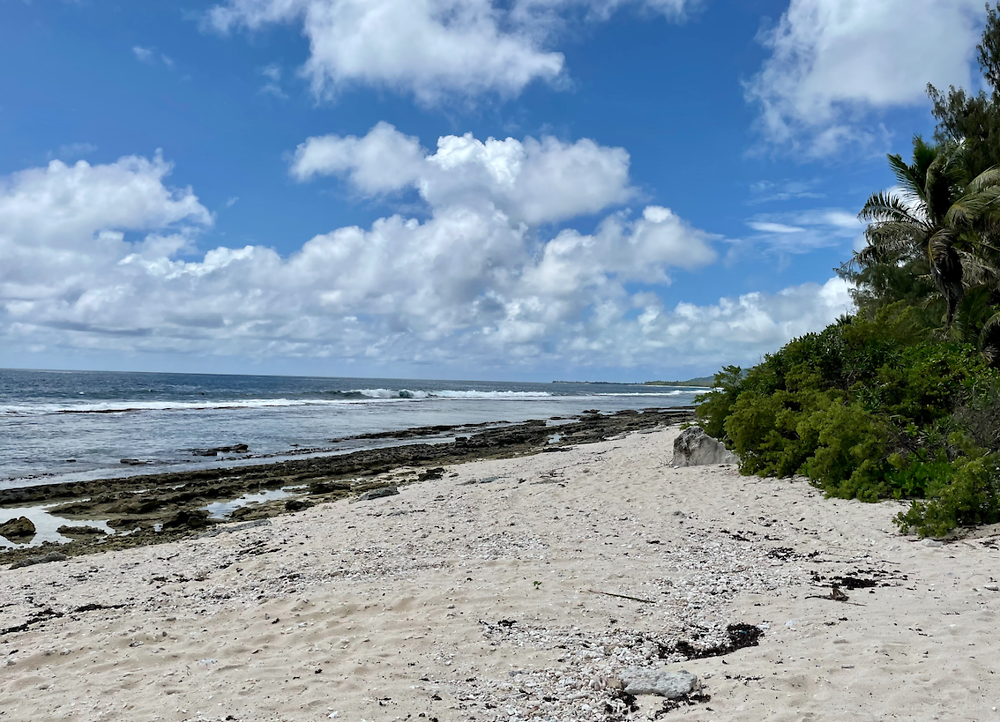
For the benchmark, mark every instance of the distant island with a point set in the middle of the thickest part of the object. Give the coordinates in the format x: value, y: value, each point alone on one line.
x: 707, y: 381
x: 616, y: 383
x: 701, y: 381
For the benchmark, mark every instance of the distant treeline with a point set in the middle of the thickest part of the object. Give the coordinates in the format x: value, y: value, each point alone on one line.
x: 706, y: 381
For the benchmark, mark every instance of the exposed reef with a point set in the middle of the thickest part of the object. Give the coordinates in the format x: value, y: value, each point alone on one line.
x: 156, y: 508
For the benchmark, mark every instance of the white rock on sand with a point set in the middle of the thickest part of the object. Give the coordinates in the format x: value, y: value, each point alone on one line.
x: 486, y: 601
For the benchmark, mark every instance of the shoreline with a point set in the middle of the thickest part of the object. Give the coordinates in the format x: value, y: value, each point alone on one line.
x: 159, y: 507
x: 519, y: 588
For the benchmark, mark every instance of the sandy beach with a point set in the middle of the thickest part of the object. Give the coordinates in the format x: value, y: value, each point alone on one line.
x: 490, y: 594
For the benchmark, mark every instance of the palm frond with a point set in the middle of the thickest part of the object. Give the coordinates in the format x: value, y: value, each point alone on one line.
x: 884, y: 206
x: 886, y: 247
x: 924, y: 154
x: 906, y: 176
x: 944, y: 180
x: 989, y: 178
x: 966, y: 211
x: 946, y: 269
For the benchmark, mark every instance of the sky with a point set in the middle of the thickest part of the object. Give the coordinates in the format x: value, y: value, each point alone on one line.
x: 468, y: 189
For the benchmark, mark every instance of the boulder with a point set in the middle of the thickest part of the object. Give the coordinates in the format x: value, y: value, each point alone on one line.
x: 20, y: 528
x: 194, y: 519
x: 40, y: 559
x: 234, y: 449
x: 379, y: 493
x: 649, y: 680
x: 693, y: 447
x: 80, y: 530
x: 297, y: 504
x: 325, y: 487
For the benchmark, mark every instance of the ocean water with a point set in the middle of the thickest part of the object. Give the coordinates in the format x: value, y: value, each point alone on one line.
x: 70, y: 425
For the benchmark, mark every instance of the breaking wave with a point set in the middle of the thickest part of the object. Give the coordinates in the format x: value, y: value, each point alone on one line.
x: 330, y: 398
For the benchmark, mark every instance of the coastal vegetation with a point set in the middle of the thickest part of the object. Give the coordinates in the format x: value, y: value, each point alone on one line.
x: 900, y: 399
x: 699, y: 381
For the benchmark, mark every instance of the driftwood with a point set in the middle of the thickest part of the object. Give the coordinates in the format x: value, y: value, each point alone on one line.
x: 623, y: 596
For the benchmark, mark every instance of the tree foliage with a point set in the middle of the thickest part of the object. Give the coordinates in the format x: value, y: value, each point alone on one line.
x: 902, y: 399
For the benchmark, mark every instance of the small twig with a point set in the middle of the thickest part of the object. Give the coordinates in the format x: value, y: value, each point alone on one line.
x: 622, y: 596
x: 835, y: 595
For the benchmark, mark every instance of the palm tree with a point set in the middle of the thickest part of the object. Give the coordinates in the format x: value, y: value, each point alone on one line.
x: 939, y: 216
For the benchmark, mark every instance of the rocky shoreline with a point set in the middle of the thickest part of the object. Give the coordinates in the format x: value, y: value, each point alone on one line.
x: 157, y: 508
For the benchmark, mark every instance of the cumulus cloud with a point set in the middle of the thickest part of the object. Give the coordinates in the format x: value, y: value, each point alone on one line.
x: 62, y: 234
x: 833, y: 63
x: 756, y: 323
x: 383, y: 161
x: 425, y: 47
x: 531, y: 181
x: 104, y: 257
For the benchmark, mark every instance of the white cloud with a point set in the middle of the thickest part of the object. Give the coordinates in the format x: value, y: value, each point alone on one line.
x: 143, y: 55
x: 272, y: 71
x: 805, y: 231
x: 529, y: 10
x: 62, y: 234
x: 534, y: 181
x: 430, y: 48
x: 427, y: 47
x: 756, y: 323
x: 834, y: 62
x: 149, y: 56
x: 768, y: 227
x: 103, y: 257
x: 770, y: 192
x: 383, y: 161
x: 272, y: 86
x: 64, y: 203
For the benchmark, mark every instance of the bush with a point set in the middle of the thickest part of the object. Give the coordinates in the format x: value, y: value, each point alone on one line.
x: 970, y: 496
x: 714, y: 407
x: 873, y: 407
x: 762, y: 431
x: 850, y: 456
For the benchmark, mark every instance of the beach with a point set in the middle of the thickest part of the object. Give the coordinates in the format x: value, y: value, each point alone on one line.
x: 519, y: 588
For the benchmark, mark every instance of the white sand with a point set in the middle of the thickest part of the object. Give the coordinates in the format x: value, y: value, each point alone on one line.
x: 405, y: 603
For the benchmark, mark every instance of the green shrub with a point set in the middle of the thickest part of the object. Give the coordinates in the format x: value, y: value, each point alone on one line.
x: 912, y: 477
x: 762, y: 430
x: 928, y: 381
x: 715, y: 406
x: 873, y: 407
x: 969, y: 495
x: 849, y: 460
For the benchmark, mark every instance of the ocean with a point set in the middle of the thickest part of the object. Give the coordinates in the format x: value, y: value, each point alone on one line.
x: 59, y: 426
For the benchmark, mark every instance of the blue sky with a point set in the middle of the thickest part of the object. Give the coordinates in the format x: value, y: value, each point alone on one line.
x: 516, y: 189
